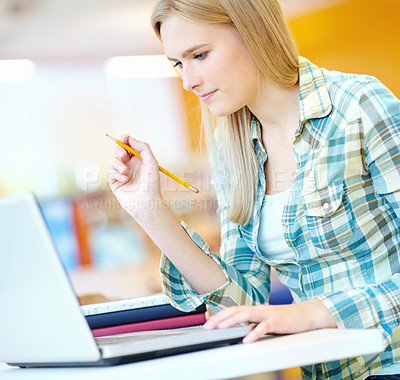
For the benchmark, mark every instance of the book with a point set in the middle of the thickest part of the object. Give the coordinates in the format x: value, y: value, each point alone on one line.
x: 138, y: 315
x: 158, y: 324
x: 125, y: 304
x: 122, y: 312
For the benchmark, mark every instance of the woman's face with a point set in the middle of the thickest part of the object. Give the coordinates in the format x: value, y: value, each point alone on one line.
x: 214, y: 63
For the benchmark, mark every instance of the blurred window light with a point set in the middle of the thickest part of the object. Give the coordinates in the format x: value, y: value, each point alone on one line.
x: 139, y: 66
x: 16, y: 70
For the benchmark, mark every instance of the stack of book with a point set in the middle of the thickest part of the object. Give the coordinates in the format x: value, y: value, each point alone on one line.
x: 139, y: 314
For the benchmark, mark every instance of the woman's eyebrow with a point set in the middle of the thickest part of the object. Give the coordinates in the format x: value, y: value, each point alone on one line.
x: 188, y: 51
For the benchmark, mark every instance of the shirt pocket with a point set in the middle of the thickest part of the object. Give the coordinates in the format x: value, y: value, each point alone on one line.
x: 329, y: 220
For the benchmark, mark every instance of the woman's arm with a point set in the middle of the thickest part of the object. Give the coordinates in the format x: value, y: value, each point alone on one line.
x: 248, y: 277
x: 190, y: 272
x: 135, y: 183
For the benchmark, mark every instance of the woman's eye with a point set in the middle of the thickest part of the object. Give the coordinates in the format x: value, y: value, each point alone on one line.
x: 200, y: 56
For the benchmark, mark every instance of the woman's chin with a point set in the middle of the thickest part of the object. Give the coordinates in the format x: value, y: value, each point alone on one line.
x: 220, y: 112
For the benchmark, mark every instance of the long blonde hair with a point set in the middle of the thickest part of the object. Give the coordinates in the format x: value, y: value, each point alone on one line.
x: 267, y: 36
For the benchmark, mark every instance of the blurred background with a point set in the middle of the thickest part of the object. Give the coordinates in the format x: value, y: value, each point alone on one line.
x: 72, y: 71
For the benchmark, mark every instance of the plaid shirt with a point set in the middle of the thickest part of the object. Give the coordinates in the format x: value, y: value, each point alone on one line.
x: 341, y: 218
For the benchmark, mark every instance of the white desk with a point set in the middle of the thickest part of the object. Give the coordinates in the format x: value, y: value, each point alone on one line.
x: 272, y: 353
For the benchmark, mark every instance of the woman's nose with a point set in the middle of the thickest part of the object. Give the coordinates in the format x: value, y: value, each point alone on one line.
x: 190, y: 79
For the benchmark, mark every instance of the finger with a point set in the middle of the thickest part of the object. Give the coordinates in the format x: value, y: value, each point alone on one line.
x: 216, y: 319
x: 118, y: 166
x: 125, y: 139
x: 133, y: 143
x: 114, y: 176
x: 123, y: 155
x: 142, y: 148
x: 258, y: 331
x: 246, y: 315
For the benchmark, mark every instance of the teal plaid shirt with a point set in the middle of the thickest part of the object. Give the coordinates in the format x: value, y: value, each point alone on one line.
x: 341, y: 218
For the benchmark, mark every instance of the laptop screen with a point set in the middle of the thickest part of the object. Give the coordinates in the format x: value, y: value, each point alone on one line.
x: 41, y: 320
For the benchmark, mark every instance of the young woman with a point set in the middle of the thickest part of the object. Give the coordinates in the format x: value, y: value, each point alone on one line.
x: 306, y: 165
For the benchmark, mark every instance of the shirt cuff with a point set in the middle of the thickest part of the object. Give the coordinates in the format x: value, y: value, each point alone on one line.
x: 181, y: 294
x: 354, y: 309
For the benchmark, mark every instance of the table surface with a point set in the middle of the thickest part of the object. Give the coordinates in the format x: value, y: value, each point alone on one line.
x: 271, y: 353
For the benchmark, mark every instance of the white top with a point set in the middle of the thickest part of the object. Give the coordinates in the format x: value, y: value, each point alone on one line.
x: 271, y: 240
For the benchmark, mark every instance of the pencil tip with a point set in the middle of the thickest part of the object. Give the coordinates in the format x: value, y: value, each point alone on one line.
x: 112, y: 138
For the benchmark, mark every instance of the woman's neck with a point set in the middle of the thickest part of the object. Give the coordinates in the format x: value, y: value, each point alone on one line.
x: 277, y: 108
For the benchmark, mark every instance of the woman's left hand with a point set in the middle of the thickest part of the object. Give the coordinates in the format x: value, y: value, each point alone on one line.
x: 274, y: 319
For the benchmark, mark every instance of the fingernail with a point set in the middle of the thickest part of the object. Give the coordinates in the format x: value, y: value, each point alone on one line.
x: 247, y: 339
x: 119, y: 152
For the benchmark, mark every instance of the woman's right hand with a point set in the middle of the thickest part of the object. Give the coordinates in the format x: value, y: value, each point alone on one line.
x: 135, y: 182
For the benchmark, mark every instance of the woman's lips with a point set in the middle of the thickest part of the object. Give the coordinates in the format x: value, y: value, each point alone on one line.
x: 207, y: 95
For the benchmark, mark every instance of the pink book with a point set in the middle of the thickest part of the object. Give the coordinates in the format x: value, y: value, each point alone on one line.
x: 157, y: 324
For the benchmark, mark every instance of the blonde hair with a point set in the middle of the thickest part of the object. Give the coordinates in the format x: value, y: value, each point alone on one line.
x: 265, y: 32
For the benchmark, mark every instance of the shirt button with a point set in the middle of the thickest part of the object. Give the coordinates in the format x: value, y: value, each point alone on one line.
x: 285, y: 227
x: 326, y: 206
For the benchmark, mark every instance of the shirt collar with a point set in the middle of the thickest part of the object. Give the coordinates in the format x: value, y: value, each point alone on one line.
x: 314, y: 97
x: 255, y: 129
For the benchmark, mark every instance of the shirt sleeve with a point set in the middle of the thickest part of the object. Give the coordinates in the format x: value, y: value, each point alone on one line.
x: 247, y: 277
x: 377, y: 305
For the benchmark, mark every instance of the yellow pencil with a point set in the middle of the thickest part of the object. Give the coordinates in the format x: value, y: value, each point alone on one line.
x: 161, y: 169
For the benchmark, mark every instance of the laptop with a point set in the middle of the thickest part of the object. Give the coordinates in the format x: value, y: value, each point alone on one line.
x: 41, y: 321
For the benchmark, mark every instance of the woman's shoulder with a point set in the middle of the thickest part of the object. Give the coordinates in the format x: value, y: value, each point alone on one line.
x: 356, y: 84
x: 365, y: 98
x: 350, y: 90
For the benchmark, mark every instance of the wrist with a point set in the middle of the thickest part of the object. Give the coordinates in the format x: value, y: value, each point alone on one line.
x: 144, y: 209
x: 321, y: 316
